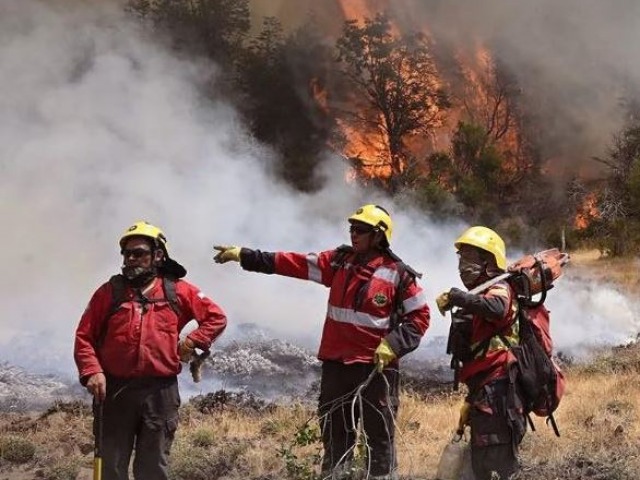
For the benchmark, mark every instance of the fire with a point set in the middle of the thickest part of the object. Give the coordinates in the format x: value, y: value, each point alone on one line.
x: 481, y: 98
x: 358, y: 9
x: 368, y: 150
x: 486, y: 100
x: 587, y: 212
x: 367, y: 144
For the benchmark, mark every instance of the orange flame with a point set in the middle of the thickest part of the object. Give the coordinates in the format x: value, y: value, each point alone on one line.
x: 587, y: 212
x: 481, y: 101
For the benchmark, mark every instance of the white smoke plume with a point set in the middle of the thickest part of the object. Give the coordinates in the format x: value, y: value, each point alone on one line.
x: 101, y: 128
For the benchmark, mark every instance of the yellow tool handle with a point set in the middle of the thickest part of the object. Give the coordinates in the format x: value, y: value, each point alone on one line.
x: 97, y: 468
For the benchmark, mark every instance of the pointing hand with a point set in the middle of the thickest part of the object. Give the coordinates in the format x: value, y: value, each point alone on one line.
x: 226, y: 253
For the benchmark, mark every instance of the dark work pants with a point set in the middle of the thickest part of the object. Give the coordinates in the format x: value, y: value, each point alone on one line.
x: 497, y: 428
x: 380, y: 406
x: 140, y: 414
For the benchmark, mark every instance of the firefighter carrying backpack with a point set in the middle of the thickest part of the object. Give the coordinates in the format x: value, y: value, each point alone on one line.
x: 540, y: 380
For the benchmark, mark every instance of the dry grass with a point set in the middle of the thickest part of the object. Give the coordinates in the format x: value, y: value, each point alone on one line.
x: 620, y: 271
x: 598, y: 420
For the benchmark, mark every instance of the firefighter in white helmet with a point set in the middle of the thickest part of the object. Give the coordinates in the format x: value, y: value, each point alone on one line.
x: 484, y: 330
x: 376, y: 313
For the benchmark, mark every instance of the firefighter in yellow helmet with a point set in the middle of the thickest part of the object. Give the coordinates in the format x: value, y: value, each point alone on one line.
x: 128, y: 352
x: 483, y: 329
x: 376, y: 313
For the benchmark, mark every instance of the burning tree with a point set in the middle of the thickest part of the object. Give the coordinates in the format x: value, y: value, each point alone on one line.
x: 398, y: 93
x: 621, y: 204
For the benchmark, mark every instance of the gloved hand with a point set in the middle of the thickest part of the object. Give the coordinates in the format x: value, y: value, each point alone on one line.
x: 186, y: 349
x: 463, y: 419
x: 443, y: 303
x: 227, y: 253
x: 383, y: 355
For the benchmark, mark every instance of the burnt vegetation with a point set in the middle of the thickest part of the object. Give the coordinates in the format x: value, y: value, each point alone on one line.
x: 383, y: 99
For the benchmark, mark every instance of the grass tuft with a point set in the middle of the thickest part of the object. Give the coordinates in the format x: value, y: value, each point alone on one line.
x: 16, y: 450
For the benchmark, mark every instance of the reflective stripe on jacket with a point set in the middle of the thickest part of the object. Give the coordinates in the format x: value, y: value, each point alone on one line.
x: 493, y: 364
x: 361, y: 300
x: 140, y: 342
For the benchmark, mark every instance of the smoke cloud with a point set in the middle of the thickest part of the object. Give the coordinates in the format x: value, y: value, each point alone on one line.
x: 101, y: 128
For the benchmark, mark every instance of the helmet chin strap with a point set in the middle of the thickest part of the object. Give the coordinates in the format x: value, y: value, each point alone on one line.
x: 138, y: 277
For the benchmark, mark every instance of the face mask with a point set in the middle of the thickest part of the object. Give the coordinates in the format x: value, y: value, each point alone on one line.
x: 470, y: 272
x: 138, y: 276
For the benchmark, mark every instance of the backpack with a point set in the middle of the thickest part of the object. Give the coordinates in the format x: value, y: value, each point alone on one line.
x: 118, y: 297
x: 542, y: 383
x: 406, y: 273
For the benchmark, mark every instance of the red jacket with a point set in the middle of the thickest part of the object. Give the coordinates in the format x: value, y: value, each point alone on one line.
x: 500, y: 301
x: 361, y: 300
x: 139, y: 343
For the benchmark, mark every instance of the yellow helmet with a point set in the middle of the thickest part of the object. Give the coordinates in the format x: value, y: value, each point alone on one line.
x: 375, y: 216
x: 144, y: 229
x: 487, y: 240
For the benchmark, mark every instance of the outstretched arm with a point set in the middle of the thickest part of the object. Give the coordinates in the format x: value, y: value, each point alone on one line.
x: 306, y: 266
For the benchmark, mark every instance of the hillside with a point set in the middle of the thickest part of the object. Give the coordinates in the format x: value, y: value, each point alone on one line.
x: 237, y: 436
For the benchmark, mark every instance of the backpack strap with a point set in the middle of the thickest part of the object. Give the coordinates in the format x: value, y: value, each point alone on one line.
x: 169, y: 287
x: 118, y: 290
x: 407, y: 275
x: 415, y: 274
x: 551, y: 420
x: 340, y: 257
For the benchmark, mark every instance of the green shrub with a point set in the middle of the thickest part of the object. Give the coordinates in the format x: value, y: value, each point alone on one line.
x: 198, y: 463
x: 16, y: 450
x: 66, y: 470
x: 202, y: 437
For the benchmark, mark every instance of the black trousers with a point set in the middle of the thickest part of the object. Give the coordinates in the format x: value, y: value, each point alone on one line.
x: 140, y: 414
x: 497, y: 428
x: 379, y: 409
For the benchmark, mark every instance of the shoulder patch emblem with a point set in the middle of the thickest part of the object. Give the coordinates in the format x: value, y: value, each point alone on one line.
x: 380, y: 299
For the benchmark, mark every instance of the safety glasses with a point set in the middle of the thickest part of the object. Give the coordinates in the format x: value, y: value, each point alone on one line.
x: 135, y: 252
x: 360, y: 229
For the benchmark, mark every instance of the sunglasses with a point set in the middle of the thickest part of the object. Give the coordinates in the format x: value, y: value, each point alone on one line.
x: 360, y: 229
x: 135, y: 252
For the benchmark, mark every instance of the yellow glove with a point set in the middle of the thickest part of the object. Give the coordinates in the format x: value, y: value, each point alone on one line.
x: 186, y: 349
x: 463, y: 420
x: 442, y: 301
x: 383, y: 355
x: 227, y: 253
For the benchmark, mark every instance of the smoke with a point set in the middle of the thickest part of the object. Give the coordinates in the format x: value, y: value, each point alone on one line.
x: 586, y: 314
x: 573, y: 60
x: 101, y: 128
